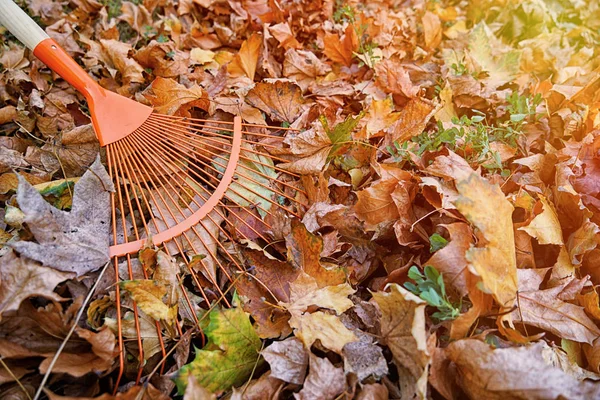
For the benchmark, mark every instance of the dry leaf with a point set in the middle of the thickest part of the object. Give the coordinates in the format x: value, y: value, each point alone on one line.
x: 403, y: 331
x: 245, y: 61
x: 485, y: 206
x: 282, y: 101
x: 324, y: 381
x: 341, y: 50
x: 288, y: 360
x: 172, y: 98
x: 325, y: 327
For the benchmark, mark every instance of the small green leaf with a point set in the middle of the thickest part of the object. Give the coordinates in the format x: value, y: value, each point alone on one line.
x: 436, y: 242
x: 431, y: 273
x: 518, y: 117
x: 415, y: 274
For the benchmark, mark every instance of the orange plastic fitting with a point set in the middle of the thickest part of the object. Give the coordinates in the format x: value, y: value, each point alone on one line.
x: 113, y: 116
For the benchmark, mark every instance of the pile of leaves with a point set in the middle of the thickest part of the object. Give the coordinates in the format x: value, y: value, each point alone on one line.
x: 449, y: 155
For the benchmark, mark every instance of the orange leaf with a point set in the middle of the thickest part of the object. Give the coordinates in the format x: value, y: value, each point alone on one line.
x: 169, y: 97
x: 245, y: 61
x: 341, y: 50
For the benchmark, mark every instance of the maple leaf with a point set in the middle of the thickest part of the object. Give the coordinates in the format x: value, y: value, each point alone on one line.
x: 403, y: 330
x: 169, y: 97
x: 288, y: 360
x: 75, y: 241
x: 304, y: 251
x: 303, y: 67
x: 305, y: 292
x: 325, y: 327
x: 324, y: 380
x: 282, y: 101
x: 21, y: 278
x: 485, y: 206
x: 516, y: 372
x: 230, y: 355
x: 148, y: 296
x: 341, y: 50
x: 245, y: 61
x: 545, y: 226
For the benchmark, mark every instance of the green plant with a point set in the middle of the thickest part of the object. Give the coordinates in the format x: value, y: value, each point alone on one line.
x: 436, y: 242
x: 367, y: 49
x: 473, y: 136
x: 430, y: 287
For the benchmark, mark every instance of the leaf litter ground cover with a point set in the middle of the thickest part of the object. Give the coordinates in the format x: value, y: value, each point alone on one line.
x: 449, y: 247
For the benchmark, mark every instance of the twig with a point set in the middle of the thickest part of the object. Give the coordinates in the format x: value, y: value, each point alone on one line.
x: 15, y: 378
x: 66, y: 339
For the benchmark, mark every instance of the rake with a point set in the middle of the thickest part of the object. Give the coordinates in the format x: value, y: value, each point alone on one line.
x: 191, y: 185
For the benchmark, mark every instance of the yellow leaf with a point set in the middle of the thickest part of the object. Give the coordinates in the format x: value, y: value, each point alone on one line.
x: 245, y: 61
x: 403, y: 330
x: 148, y: 296
x: 485, y: 206
x: 325, y: 327
x: 172, y: 98
x: 341, y: 50
x: 545, y: 227
x: 305, y: 292
x: 381, y: 116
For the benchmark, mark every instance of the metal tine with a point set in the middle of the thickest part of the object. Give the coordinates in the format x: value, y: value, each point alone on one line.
x: 244, y: 175
x: 170, y: 125
x: 217, y: 242
x: 209, y: 216
x: 138, y: 162
x: 171, y: 117
x: 196, y: 174
x: 185, y: 130
x: 202, y: 196
x: 169, y: 210
x: 131, y: 177
x: 204, y: 143
x: 146, y: 143
x: 125, y: 172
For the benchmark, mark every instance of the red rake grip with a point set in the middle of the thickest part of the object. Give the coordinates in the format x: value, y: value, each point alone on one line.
x: 166, y: 235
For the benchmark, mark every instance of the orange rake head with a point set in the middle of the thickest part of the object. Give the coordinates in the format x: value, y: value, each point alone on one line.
x: 192, y: 186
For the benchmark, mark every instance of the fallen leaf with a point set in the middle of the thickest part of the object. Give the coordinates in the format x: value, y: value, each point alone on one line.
x: 171, y: 98
x: 303, y: 67
x: 364, y: 359
x: 21, y: 278
x: 284, y: 36
x: 164, y: 59
x: 324, y: 381
x: 245, y: 61
x: 325, y: 327
x: 305, y: 292
x: 516, y: 372
x: 403, y: 331
x: 282, y: 101
x: 485, y: 206
x: 288, y: 360
x: 148, y: 296
x: 451, y: 260
x: 304, y: 251
x: 75, y: 241
x: 545, y: 226
x: 543, y: 309
x: 230, y: 355
x: 341, y: 50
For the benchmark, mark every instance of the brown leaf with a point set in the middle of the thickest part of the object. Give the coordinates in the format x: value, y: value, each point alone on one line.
x: 285, y: 36
x: 164, y: 59
x: 282, y: 101
x: 432, y: 30
x: 21, y: 278
x: 245, y: 61
x: 74, y: 153
x: 375, y: 204
x: 169, y: 97
x: 304, y: 251
x: 403, y: 331
x: 303, y: 67
x: 324, y: 381
x: 451, y: 261
x: 485, y: 206
x: 288, y: 360
x: 545, y: 226
x: 411, y: 122
x: 341, y: 50
x: 364, y: 359
x: 543, y: 309
x: 116, y: 55
x: 513, y: 373
x: 393, y: 78
x: 7, y: 114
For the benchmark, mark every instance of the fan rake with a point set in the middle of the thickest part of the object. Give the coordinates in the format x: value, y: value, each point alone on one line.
x: 191, y: 186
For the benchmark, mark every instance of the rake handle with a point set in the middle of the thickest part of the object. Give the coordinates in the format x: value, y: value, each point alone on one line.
x: 46, y: 49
